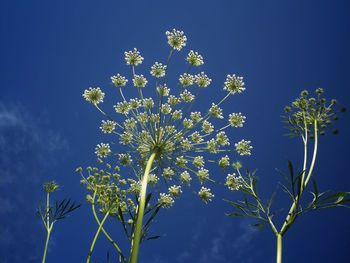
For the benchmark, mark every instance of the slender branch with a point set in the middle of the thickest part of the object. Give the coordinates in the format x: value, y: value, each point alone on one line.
x: 287, y: 222
x: 96, y: 235
x: 47, y: 225
x: 104, y: 231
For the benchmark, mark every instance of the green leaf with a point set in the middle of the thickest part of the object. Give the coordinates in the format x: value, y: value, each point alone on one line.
x: 237, y: 206
x: 152, y: 216
x: 315, y: 187
x: 270, y: 202
x: 339, y: 195
x: 290, y: 167
x: 154, y: 237
x: 235, y: 214
x: 122, y: 220
x: 288, y: 192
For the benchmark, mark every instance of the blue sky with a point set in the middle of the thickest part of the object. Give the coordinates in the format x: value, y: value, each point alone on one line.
x: 50, y: 52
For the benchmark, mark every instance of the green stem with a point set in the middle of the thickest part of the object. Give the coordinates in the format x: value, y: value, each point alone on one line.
x: 313, y: 156
x: 305, y: 154
x: 96, y: 235
x: 140, y: 212
x: 104, y: 231
x: 46, y: 244
x: 279, y: 249
x: 97, y: 107
x: 47, y: 226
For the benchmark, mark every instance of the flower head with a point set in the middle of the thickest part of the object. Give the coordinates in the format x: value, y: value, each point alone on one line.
x: 125, y: 159
x: 50, y: 187
x: 234, y: 84
x: 176, y: 39
x: 236, y: 119
x: 139, y: 81
x: 102, y: 150
x: 180, y: 140
x: 202, y: 80
x: 186, y: 80
x: 194, y: 58
x: 165, y: 200
x: 175, y: 191
x: 119, y: 81
x: 108, y: 126
x: 205, y: 194
x: 243, y: 147
x: 158, y: 70
x: 234, y: 182
x: 94, y: 95
x: 133, y: 57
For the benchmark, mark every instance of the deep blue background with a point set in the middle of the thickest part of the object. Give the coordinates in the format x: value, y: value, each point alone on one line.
x: 50, y: 51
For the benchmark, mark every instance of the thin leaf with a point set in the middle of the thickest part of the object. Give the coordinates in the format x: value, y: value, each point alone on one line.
x: 152, y: 216
x: 121, y: 219
x: 235, y: 214
x: 153, y: 237
x: 288, y: 192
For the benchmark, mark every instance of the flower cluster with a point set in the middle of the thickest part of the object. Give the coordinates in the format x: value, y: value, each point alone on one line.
x: 164, y: 125
x: 176, y: 39
x: 306, y: 112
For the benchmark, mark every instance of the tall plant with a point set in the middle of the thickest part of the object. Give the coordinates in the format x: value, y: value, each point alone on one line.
x: 51, y: 214
x: 307, y: 118
x: 161, y: 139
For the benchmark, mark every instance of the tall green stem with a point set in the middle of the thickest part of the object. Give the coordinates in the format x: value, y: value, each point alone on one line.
x: 46, y: 243
x: 96, y: 235
x: 47, y: 226
x: 140, y: 212
x: 279, y: 249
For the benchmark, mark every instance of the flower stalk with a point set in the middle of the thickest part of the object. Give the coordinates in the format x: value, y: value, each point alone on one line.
x: 47, y: 225
x: 141, y: 210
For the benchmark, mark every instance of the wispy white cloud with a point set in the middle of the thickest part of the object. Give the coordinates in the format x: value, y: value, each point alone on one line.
x: 28, y: 150
x: 229, y: 243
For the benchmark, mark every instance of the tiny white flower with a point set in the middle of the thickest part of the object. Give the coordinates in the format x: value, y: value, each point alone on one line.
x: 133, y: 57
x: 176, y: 39
x: 158, y: 70
x: 234, y: 84
x: 165, y: 200
x: 108, y: 126
x: 102, y: 150
x: 233, y: 182
x: 175, y: 191
x: 139, y: 81
x: 236, y: 119
x: 202, y: 80
x: 94, y: 95
x: 119, y: 81
x: 186, y: 80
x: 194, y: 58
x: 243, y: 147
x: 205, y: 194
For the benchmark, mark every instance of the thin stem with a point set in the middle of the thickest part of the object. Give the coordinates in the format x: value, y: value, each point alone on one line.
x: 279, y: 249
x: 288, y: 221
x: 108, y: 116
x: 104, y: 231
x: 140, y: 212
x: 96, y: 235
x: 313, y: 156
x: 47, y: 226
x: 261, y: 206
x: 305, y: 154
x: 46, y: 243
